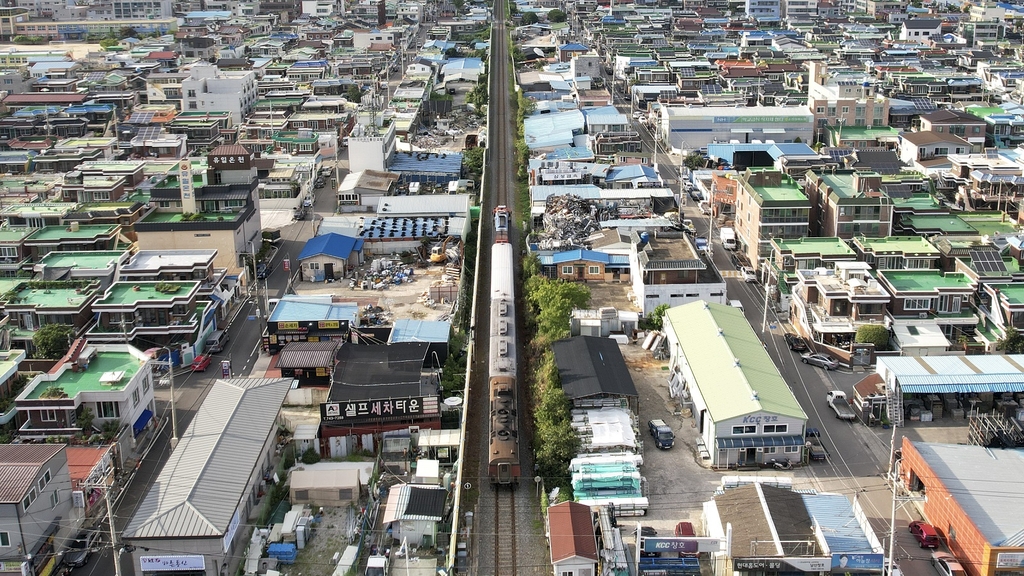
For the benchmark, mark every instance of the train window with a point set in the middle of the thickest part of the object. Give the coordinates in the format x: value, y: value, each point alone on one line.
x: 503, y: 308
x: 503, y: 348
x: 503, y: 328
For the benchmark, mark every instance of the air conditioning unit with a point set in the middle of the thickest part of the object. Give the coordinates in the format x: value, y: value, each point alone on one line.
x: 922, y: 315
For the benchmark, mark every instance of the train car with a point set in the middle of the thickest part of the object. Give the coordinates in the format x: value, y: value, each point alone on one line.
x: 503, y: 442
x: 502, y: 217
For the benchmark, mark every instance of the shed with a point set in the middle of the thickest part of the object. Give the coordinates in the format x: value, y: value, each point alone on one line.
x: 333, y: 488
x: 434, y: 332
x: 311, y: 363
x: 594, y: 374
x: 330, y: 256
x: 427, y: 472
x: 414, y: 512
x: 306, y: 436
x: 572, y: 539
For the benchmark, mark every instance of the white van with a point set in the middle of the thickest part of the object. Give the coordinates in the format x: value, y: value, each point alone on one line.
x: 736, y: 304
x: 215, y: 342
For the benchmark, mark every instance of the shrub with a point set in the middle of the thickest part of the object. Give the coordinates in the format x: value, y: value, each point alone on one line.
x: 310, y: 456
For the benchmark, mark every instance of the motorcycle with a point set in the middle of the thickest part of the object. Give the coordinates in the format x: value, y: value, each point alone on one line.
x: 782, y: 464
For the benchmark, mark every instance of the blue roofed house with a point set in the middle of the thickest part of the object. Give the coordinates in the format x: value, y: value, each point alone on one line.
x: 633, y: 176
x: 566, y: 52
x: 309, y: 319
x: 330, y: 256
x: 585, y: 266
x: 548, y: 132
x: 434, y: 332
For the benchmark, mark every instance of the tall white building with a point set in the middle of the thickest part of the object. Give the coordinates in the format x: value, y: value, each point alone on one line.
x: 764, y: 9
x: 212, y: 89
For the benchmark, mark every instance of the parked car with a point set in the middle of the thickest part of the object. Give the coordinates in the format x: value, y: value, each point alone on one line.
x: 261, y: 270
x: 80, y: 549
x: 925, y: 534
x: 688, y: 226
x: 705, y: 208
x: 947, y: 564
x: 685, y: 530
x: 796, y: 343
x: 748, y: 274
x: 820, y: 360
x: 201, y: 363
x: 663, y: 436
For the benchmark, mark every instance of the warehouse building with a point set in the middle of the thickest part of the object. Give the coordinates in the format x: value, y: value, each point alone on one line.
x: 685, y: 128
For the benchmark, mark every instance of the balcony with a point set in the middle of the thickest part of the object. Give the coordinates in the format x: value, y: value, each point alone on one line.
x: 29, y: 431
x: 117, y: 332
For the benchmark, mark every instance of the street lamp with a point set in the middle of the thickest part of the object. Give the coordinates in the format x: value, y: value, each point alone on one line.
x: 174, y: 409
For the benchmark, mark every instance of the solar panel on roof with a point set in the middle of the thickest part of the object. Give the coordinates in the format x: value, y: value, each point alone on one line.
x: 687, y: 72
x: 711, y: 89
x: 991, y: 153
x: 141, y: 117
x: 839, y: 154
x: 148, y: 132
x: 987, y: 261
x: 95, y: 76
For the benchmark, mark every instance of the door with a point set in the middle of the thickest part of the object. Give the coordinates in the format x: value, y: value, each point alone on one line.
x: 751, y: 456
x: 328, y: 271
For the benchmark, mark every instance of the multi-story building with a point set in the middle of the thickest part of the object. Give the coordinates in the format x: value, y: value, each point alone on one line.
x: 830, y: 305
x: 799, y: 9
x: 897, y: 253
x: 845, y: 98
x: 36, y: 503
x: 31, y: 305
x: 218, y: 209
x: 848, y: 203
x: 956, y: 122
x: 930, y: 302
x: 211, y: 89
x: 114, y: 382
x: 160, y: 312
x: 671, y: 272
x: 769, y: 204
x: 790, y: 256
x: 768, y: 10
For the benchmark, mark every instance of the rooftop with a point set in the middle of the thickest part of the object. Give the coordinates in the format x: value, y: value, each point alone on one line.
x: 906, y: 245
x: 124, y: 293
x: 49, y: 294
x: 940, y: 223
x: 787, y: 191
x: 154, y: 217
x: 815, y: 247
x: 98, y: 260
x: 92, y: 378
x: 58, y: 234
x: 925, y: 280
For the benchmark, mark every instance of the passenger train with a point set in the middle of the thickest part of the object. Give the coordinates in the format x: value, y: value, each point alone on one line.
x: 503, y: 444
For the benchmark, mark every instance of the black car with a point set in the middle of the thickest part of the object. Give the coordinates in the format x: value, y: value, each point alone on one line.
x: 795, y: 343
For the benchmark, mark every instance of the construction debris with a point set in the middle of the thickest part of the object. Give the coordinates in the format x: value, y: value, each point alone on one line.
x: 568, y: 221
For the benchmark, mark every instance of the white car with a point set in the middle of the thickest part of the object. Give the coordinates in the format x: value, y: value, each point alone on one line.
x: 946, y: 564
x: 748, y: 274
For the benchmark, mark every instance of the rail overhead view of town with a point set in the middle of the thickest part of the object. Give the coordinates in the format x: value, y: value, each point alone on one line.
x: 511, y: 288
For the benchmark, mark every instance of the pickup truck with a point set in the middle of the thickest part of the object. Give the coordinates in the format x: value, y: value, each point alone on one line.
x: 837, y: 400
x: 663, y: 436
x: 815, y: 449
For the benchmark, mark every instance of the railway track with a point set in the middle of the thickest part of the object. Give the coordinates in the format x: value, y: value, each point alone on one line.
x: 505, y: 553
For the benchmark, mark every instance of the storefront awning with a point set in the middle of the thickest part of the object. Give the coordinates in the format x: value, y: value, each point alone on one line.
x: 144, y: 419
x: 758, y: 442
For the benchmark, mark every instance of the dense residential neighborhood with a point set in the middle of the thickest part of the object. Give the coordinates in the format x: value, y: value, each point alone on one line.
x: 545, y: 287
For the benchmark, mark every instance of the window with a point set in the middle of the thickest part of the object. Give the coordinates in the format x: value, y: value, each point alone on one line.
x: 193, y: 106
x: 135, y: 397
x: 846, y: 110
x: 314, y: 265
x: 776, y: 428
x: 769, y: 449
x: 792, y: 449
x: 48, y: 415
x: 593, y: 270
x: 44, y: 480
x: 145, y: 384
x: 5, y: 539
x: 191, y: 93
x: 108, y: 410
x: 566, y: 269
x: 54, y: 499
x: 744, y: 429
x: 29, y: 499
x: 917, y: 303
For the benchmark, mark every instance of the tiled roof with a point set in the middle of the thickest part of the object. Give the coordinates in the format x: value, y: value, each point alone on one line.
x: 19, y: 466
x: 571, y: 532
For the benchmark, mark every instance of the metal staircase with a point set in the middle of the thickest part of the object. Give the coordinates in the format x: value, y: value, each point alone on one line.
x: 894, y: 403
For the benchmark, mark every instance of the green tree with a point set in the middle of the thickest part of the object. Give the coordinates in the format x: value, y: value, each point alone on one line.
x: 478, y: 95
x: 554, y: 300
x: 85, y: 420
x: 354, y: 94
x: 556, y: 441
x: 1012, y: 343
x: 473, y: 163
x: 109, y: 42
x: 873, y: 334
x: 695, y: 161
x: 128, y: 32
x: 53, y: 340
x: 310, y: 456
x: 657, y: 319
x: 557, y: 16
x: 530, y: 18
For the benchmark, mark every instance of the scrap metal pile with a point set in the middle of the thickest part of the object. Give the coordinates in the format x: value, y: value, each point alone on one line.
x: 568, y: 221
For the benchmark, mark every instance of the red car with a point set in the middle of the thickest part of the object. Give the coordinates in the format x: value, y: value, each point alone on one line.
x: 201, y: 363
x: 684, y: 530
x: 925, y: 534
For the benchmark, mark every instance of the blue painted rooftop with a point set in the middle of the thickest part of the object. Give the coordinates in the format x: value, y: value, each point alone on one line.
x: 310, y: 308
x: 448, y: 163
x: 839, y: 525
x: 632, y: 172
x: 407, y: 330
x: 798, y: 149
x: 331, y: 244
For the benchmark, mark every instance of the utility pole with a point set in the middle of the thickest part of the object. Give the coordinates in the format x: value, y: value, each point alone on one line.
x: 174, y: 407
x: 115, y: 547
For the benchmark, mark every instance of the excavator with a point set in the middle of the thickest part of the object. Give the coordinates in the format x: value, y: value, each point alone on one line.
x: 439, y: 254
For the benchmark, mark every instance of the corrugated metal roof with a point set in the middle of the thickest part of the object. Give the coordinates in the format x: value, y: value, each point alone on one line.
x: 591, y: 366
x: 729, y: 362
x: 308, y: 354
x: 307, y: 308
x: 950, y: 374
x: 19, y: 466
x: 834, y: 514
x: 406, y: 330
x: 980, y: 480
x: 205, y: 477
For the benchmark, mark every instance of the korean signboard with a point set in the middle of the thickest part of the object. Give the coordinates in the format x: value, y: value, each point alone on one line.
x: 799, y: 564
x: 843, y: 563
x: 185, y: 179
x: 352, y: 411
x: 1009, y: 560
x: 231, y: 161
x: 171, y: 563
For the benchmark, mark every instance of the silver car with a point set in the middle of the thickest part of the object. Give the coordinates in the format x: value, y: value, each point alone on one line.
x: 820, y: 360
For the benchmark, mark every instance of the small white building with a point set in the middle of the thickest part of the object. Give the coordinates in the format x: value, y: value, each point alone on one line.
x: 414, y: 511
x: 210, y: 88
x: 572, y: 539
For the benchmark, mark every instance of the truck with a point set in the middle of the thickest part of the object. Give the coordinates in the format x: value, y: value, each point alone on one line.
x: 815, y: 449
x: 728, y: 238
x: 663, y: 436
x: 376, y: 566
x: 837, y: 400
x: 701, y: 243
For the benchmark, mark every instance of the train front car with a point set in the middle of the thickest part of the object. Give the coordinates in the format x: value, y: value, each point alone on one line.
x: 502, y: 217
x: 503, y: 453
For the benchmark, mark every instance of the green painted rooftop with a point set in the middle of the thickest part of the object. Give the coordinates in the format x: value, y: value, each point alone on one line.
x: 786, y: 191
x: 919, y: 201
x: 9, y: 234
x: 925, y: 280
x: 97, y: 260
x: 990, y: 223
x: 50, y: 208
x: 917, y: 245
x: 984, y: 111
x: 126, y: 293
x: 74, y: 383
x: 944, y: 223
x: 85, y: 232
x: 821, y: 246
x: 52, y: 297
x: 729, y: 362
x: 176, y: 217
x: 1013, y: 293
x: 866, y: 132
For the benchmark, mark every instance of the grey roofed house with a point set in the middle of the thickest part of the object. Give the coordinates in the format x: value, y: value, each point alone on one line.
x: 308, y: 354
x: 208, y: 476
x: 591, y: 367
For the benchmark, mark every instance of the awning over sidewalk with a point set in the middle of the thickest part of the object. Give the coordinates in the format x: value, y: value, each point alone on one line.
x: 144, y: 419
x: 758, y: 442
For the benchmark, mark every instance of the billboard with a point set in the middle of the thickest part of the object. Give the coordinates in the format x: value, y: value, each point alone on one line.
x: 845, y: 563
